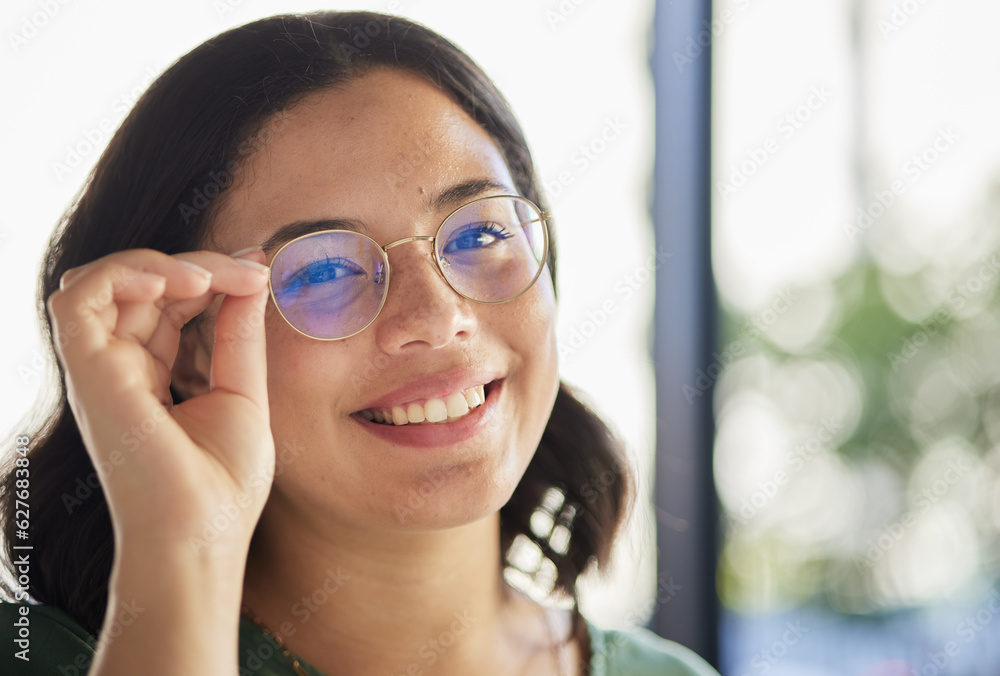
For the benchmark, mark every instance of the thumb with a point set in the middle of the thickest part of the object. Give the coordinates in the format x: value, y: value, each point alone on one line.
x: 239, y: 356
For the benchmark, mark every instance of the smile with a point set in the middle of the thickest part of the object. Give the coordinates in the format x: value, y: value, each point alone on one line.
x: 446, y: 409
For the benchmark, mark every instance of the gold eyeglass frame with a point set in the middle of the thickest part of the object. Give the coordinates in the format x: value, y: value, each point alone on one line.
x: 543, y: 217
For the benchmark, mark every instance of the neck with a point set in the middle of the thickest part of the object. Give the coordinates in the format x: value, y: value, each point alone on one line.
x: 382, y: 601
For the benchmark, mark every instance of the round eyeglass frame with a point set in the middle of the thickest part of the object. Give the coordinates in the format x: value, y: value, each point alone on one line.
x: 543, y: 217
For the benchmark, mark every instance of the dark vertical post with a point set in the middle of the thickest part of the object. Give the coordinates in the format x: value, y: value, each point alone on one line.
x: 685, y: 319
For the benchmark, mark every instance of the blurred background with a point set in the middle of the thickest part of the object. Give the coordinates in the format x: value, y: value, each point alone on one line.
x: 855, y: 195
x: 855, y: 233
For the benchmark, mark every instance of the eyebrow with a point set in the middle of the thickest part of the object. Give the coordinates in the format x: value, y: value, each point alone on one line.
x: 454, y: 196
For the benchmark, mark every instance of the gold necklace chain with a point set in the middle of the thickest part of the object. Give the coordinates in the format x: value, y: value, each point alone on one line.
x: 290, y: 657
x: 293, y: 659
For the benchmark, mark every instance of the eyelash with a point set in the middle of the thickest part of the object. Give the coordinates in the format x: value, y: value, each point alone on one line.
x: 301, y: 276
x: 488, y: 227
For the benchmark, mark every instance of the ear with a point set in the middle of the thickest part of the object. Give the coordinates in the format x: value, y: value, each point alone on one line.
x: 190, y: 375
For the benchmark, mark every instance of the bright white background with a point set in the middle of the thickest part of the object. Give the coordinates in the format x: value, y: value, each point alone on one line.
x: 568, y: 76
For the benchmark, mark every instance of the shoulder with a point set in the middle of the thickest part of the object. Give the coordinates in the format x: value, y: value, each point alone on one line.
x: 640, y: 652
x: 38, y: 639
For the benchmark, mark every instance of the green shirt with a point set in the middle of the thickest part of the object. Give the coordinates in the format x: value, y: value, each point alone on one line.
x: 59, y: 646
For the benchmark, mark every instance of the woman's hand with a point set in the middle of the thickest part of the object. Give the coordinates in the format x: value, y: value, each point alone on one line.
x: 196, y: 474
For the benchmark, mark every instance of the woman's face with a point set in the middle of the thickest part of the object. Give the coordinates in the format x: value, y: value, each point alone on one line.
x: 381, y: 151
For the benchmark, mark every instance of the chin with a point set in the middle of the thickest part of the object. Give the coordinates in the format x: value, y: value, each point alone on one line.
x: 449, y: 498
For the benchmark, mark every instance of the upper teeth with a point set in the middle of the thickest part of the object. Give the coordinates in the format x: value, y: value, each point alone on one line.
x: 432, y: 411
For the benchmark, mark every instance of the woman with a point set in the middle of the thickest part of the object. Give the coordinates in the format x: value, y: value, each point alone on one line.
x: 351, y: 429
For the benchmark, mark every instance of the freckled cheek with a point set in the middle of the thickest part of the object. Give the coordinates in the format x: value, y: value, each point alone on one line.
x: 530, y: 331
x: 305, y: 375
x: 282, y: 353
x: 290, y: 368
x: 537, y: 317
x: 545, y: 350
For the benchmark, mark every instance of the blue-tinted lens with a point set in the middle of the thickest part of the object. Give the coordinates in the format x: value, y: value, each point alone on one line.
x: 330, y: 284
x: 493, y: 249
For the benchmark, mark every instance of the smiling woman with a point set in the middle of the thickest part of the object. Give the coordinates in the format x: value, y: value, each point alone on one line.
x: 358, y: 431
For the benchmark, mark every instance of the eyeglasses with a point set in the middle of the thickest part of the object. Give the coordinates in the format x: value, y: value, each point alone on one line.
x: 332, y: 284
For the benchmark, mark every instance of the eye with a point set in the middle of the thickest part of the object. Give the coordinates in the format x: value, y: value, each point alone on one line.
x: 476, y: 236
x: 322, y: 272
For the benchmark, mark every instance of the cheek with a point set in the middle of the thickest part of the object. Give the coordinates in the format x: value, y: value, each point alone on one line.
x: 531, y: 330
x: 302, y: 374
x: 285, y: 356
x: 536, y: 319
x: 310, y: 381
x: 291, y: 397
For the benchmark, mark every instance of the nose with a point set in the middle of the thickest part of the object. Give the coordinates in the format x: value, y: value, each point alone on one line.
x: 421, y: 310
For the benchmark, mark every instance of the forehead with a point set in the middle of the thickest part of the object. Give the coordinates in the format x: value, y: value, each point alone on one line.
x: 377, y: 147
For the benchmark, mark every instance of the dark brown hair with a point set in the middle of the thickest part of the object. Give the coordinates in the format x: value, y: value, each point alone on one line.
x: 154, y: 187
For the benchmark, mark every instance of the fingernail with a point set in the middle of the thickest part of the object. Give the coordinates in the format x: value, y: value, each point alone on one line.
x: 263, y: 269
x: 244, y: 252
x: 197, y: 269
